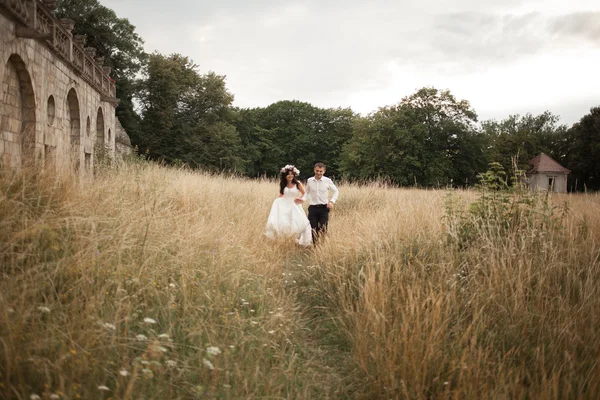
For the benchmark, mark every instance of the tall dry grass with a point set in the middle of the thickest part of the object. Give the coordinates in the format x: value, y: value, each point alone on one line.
x: 149, y: 282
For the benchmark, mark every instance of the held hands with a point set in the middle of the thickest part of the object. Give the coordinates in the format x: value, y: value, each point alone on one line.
x: 298, y: 200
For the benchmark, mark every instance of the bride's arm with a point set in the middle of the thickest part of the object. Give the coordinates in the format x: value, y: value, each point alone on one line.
x: 301, y: 188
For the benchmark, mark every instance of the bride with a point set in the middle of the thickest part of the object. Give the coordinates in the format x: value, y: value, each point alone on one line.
x: 287, y: 217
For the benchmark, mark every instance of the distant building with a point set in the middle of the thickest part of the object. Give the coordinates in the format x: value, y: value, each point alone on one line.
x: 547, y: 174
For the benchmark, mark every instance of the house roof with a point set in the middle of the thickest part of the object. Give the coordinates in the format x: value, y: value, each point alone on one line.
x: 544, y: 164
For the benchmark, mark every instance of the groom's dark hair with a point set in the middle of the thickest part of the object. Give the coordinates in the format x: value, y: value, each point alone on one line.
x: 319, y: 165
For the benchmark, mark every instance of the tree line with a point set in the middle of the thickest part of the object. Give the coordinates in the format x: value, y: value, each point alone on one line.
x: 178, y: 115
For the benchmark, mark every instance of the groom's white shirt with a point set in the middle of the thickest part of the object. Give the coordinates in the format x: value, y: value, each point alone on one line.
x: 318, y: 191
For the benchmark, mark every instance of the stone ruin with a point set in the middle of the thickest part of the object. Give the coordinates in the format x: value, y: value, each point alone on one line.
x: 57, y: 100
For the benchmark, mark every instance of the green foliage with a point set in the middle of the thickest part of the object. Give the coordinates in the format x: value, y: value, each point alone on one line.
x: 527, y: 135
x: 187, y: 116
x: 583, y: 152
x: 103, y: 157
x: 293, y: 132
x: 427, y: 139
x: 136, y: 158
x: 502, y: 212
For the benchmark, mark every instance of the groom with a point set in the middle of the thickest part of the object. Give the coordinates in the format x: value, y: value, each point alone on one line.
x: 317, y: 191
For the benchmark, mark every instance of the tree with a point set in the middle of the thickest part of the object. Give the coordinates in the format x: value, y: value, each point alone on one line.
x: 187, y: 116
x: 115, y: 39
x: 293, y: 132
x: 583, y: 152
x: 428, y: 139
x: 526, y: 137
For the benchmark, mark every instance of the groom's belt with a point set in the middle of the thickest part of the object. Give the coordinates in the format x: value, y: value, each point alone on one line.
x: 318, y: 205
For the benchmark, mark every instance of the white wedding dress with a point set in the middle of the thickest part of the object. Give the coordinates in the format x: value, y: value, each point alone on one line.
x: 288, y: 218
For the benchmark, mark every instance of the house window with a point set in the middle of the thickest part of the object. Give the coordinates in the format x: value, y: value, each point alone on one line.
x: 551, y: 183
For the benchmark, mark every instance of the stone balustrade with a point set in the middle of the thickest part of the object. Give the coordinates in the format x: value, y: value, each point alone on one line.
x: 38, y: 22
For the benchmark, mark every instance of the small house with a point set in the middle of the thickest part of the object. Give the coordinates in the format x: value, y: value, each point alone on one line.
x: 547, y: 174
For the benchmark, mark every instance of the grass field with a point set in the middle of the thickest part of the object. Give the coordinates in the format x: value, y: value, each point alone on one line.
x: 156, y: 283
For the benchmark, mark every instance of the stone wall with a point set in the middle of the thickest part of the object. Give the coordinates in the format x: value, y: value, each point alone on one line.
x: 51, y: 110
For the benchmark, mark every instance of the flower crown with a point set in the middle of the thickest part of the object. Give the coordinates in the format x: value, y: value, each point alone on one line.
x: 290, y: 167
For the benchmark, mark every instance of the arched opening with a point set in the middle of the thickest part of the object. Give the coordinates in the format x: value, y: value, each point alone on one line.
x: 88, y: 127
x: 51, y: 110
x: 17, y: 126
x: 73, y: 126
x: 100, y: 128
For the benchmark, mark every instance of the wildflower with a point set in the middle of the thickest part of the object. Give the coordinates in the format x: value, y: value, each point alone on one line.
x: 215, y: 351
x: 44, y: 310
x: 171, y: 363
x: 208, y: 364
x: 254, y: 322
x: 141, y: 338
x: 163, y: 336
x: 34, y: 397
x: 123, y: 372
x: 271, y: 332
x: 149, y: 320
x: 231, y: 347
x: 172, y: 285
x: 148, y: 373
x: 104, y: 388
x: 110, y: 326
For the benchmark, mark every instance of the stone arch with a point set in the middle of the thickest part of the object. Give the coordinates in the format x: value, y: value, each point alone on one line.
x: 17, y: 116
x: 100, y: 128
x: 73, y: 125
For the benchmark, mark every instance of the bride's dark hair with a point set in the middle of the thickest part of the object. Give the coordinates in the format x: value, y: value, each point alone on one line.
x: 283, y: 181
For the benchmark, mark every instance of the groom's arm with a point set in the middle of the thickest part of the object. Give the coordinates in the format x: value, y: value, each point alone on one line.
x: 334, y: 193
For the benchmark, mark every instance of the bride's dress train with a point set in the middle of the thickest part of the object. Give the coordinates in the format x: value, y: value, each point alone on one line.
x: 288, y: 219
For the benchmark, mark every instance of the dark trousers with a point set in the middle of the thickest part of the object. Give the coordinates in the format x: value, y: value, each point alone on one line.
x: 319, y: 217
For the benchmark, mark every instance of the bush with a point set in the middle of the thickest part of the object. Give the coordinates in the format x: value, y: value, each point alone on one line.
x: 501, y: 212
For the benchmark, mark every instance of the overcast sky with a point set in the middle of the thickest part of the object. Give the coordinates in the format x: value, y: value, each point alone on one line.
x: 503, y: 56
